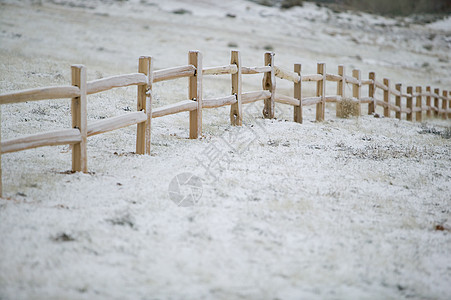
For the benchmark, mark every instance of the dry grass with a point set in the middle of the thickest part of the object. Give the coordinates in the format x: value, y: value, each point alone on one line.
x: 348, y: 108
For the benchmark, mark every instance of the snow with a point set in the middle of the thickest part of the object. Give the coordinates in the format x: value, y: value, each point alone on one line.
x: 444, y: 24
x: 346, y: 208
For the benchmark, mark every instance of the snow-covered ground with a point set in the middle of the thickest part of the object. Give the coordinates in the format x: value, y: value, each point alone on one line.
x: 346, y: 208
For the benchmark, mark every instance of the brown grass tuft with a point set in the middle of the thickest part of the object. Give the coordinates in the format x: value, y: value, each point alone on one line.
x: 347, y: 108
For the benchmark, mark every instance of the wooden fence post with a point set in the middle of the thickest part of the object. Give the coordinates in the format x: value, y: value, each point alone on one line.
x: 79, y: 119
x: 269, y: 84
x: 195, y: 93
x: 409, y: 104
x: 445, y: 105
x: 449, y: 105
x: 398, y: 87
x: 144, y: 103
x: 387, y: 98
x: 356, y: 90
x: 236, y: 110
x: 321, y: 92
x: 341, y: 90
x: 419, y: 114
x: 428, y: 101
x: 371, y: 92
x: 298, y: 94
x: 436, y: 102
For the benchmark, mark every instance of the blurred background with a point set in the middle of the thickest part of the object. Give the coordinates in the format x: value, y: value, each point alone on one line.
x: 384, y: 7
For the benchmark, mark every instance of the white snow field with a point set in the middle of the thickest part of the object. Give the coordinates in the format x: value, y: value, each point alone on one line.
x: 354, y: 208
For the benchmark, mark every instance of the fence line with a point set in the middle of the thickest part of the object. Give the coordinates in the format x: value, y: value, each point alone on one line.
x: 146, y: 76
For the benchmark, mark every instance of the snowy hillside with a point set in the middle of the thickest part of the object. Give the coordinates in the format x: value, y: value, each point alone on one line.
x: 354, y: 208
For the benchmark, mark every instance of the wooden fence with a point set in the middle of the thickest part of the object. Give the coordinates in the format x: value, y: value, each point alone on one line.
x: 427, y: 100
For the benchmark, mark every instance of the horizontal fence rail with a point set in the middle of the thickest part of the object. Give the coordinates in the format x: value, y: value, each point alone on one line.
x: 411, y: 101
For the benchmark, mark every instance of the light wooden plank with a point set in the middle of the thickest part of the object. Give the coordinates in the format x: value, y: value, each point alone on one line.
x: 352, y: 80
x: 312, y: 77
x: 117, y: 122
x: 108, y: 83
x: 174, y: 73
x: 367, y: 82
x: 51, y: 138
x: 332, y: 77
x: 45, y: 93
x: 218, y: 102
x: 287, y: 75
x: 381, y: 85
x: 221, y: 70
x: 186, y: 105
x: 333, y: 98
x: 366, y: 100
x: 310, y: 101
x: 249, y: 97
x: 279, y: 98
x: 255, y: 70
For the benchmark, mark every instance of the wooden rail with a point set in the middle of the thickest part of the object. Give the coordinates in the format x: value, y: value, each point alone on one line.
x: 411, y: 101
x: 54, y: 92
x: 108, y: 83
x: 51, y: 138
x: 173, y: 73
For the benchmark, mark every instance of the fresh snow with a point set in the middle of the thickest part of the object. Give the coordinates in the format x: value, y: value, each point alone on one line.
x: 343, y: 209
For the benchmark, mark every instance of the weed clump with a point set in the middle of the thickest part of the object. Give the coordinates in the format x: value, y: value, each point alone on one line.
x: 347, y: 108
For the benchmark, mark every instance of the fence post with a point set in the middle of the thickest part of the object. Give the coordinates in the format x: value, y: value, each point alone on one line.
x: 371, y: 92
x: 236, y: 110
x: 356, y: 91
x: 449, y: 106
x: 398, y: 87
x: 144, y: 103
x: 195, y: 93
x: 387, y: 98
x: 341, y: 91
x: 298, y: 94
x: 321, y: 92
x: 428, y: 102
x: 419, y: 114
x: 436, y: 102
x: 409, y: 105
x: 269, y: 84
x: 445, y: 105
x: 79, y: 119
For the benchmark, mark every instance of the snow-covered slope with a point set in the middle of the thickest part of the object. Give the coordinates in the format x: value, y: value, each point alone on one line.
x: 356, y: 208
